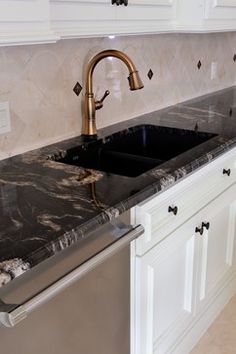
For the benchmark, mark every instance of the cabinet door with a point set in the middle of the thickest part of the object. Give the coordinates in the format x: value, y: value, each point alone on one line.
x: 217, y: 246
x: 148, y: 10
x: 163, y: 292
x: 206, y: 15
x: 220, y: 9
x: 76, y: 18
x: 25, y: 22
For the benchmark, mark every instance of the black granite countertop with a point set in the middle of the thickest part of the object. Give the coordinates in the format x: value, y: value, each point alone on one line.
x: 46, y: 206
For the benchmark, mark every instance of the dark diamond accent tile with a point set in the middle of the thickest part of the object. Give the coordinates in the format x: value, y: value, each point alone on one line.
x: 199, y: 64
x: 77, y: 89
x: 234, y: 58
x: 150, y: 74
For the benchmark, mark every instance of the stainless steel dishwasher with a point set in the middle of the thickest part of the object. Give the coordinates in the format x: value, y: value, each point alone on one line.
x: 85, y: 311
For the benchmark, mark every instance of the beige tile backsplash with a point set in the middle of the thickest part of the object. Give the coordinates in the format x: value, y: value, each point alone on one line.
x: 38, y: 81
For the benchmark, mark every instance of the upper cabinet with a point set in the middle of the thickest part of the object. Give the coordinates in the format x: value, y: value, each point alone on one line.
x: 150, y: 15
x: 43, y: 21
x: 73, y: 18
x: 220, y: 9
x: 206, y: 15
x: 25, y: 22
x: 76, y: 18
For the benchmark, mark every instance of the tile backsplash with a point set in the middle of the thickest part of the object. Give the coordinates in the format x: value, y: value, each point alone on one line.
x: 38, y: 81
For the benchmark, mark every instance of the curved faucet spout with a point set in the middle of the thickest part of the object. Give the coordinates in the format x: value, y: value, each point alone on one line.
x: 90, y: 106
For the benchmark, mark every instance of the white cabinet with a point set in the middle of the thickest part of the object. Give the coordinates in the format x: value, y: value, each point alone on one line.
x: 25, y: 22
x: 206, y: 15
x: 220, y: 9
x: 183, y: 267
x: 164, y: 292
x: 76, y: 18
x: 156, y: 14
x: 216, y: 245
x: 42, y: 21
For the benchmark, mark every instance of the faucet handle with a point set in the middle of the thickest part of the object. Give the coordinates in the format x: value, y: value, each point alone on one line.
x: 99, y: 104
x: 106, y: 93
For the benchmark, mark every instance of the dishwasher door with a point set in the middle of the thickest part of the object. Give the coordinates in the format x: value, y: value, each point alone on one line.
x: 91, y: 316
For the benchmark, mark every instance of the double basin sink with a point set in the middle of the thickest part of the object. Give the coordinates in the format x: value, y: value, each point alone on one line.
x: 136, y: 150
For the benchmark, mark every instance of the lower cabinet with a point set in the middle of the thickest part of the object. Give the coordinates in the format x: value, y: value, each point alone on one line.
x: 181, y: 284
x: 165, y: 286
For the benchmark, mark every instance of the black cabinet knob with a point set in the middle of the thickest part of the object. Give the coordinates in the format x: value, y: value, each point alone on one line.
x: 227, y: 172
x: 200, y: 230
x: 206, y: 225
x: 173, y: 210
x: 119, y: 2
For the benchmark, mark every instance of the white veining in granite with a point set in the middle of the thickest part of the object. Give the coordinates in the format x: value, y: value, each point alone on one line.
x: 11, y: 269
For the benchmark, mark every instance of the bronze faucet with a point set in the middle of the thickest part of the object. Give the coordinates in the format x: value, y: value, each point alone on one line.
x: 90, y: 105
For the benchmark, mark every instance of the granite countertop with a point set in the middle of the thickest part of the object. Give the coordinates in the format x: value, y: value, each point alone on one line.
x: 46, y: 206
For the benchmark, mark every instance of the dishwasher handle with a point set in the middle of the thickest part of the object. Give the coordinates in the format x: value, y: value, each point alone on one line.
x: 10, y: 314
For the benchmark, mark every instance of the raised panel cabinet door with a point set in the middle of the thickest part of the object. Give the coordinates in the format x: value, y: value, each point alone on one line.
x: 25, y: 22
x: 148, y: 10
x: 76, y: 18
x: 220, y: 9
x: 163, y: 292
x: 217, y: 246
x: 206, y: 15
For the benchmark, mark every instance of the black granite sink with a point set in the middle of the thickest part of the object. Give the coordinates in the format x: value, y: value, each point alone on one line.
x: 136, y: 150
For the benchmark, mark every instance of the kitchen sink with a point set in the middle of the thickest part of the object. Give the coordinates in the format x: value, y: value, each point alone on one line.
x: 136, y: 150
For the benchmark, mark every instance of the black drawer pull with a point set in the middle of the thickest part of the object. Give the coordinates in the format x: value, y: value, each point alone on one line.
x: 227, y: 172
x: 200, y: 230
x: 173, y: 210
x: 206, y: 225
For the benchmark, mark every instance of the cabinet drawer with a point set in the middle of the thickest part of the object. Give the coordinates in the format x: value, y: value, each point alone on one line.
x: 166, y: 211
